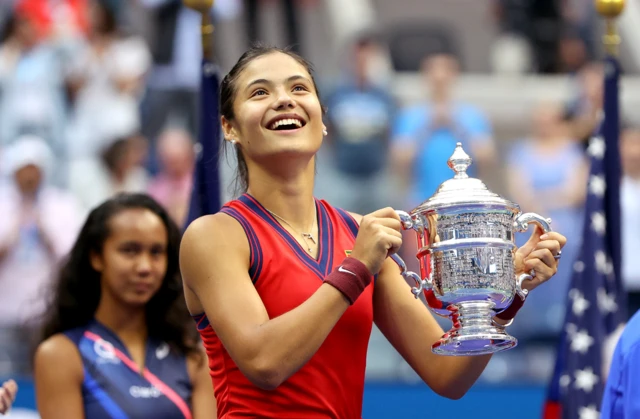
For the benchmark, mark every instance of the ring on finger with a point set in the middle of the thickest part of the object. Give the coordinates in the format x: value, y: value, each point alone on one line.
x: 558, y: 256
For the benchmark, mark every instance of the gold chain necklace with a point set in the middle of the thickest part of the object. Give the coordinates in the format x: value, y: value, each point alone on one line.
x: 305, y: 236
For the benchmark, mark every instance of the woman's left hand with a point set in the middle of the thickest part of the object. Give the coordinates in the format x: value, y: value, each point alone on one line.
x: 540, y: 253
x: 7, y: 395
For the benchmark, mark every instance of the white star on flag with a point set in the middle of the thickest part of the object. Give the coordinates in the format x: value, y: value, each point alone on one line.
x: 606, y: 303
x: 585, y: 379
x: 597, y: 185
x: 565, y: 380
x: 589, y: 412
x: 598, y: 222
x: 596, y: 147
x: 580, y: 304
x: 603, y: 265
x: 578, y: 266
x: 581, y: 341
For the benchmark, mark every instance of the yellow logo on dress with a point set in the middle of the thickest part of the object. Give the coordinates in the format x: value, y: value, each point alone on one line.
x: 348, y: 252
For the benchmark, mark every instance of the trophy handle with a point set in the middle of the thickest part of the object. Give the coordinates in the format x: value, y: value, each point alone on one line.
x: 422, y: 284
x: 522, y: 224
x: 408, y: 223
x: 523, y: 220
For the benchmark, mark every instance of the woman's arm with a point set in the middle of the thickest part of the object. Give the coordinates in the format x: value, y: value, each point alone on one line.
x: 203, y: 401
x: 58, y: 379
x: 410, y: 327
x: 214, y: 259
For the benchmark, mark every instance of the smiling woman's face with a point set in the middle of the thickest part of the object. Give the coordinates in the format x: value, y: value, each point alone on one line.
x: 276, y: 109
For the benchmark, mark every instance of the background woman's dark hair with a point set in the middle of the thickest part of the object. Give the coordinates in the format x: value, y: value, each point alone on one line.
x: 8, y: 26
x: 77, y: 290
x: 108, y: 24
x: 229, y: 89
x: 115, y: 152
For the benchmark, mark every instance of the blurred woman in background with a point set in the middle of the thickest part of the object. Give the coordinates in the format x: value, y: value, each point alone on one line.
x: 118, y: 340
x: 548, y: 164
x: 172, y: 185
x: 38, y: 225
x: 118, y: 169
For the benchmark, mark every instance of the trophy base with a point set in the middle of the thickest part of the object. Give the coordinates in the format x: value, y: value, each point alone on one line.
x: 482, y: 343
x: 474, y: 332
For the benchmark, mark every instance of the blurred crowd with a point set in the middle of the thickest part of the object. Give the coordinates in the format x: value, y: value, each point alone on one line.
x: 101, y: 96
x: 88, y: 108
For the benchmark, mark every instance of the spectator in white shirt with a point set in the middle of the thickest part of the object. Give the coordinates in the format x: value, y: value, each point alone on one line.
x: 38, y: 225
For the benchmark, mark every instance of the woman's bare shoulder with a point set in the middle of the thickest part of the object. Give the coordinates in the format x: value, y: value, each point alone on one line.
x: 60, y: 353
x: 209, y: 228
x: 213, y: 244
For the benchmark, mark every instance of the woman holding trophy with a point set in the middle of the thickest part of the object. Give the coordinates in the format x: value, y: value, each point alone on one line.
x: 285, y: 288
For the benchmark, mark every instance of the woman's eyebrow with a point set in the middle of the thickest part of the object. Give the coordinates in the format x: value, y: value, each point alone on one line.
x: 258, y: 81
x: 268, y: 82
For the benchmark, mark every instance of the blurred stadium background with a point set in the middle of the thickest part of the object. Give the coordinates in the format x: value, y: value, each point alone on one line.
x: 101, y: 96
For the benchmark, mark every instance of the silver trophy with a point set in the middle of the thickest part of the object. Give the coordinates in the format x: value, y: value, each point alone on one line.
x: 466, y: 250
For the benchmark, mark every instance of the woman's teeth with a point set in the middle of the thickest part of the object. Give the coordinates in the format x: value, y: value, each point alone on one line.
x: 282, y: 122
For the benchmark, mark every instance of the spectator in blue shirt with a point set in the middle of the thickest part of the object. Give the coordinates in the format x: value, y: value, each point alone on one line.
x: 622, y: 392
x: 360, y: 112
x: 425, y: 135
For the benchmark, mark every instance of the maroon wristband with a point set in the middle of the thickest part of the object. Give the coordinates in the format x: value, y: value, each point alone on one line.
x: 512, y: 310
x: 350, y: 278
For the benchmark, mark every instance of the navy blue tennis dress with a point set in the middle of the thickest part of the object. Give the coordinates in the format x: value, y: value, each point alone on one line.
x: 113, y: 387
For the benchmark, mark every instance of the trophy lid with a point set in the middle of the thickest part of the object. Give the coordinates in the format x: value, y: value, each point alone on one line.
x: 462, y: 189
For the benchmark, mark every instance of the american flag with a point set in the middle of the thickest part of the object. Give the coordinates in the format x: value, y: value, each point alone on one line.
x: 206, y: 194
x: 596, y: 305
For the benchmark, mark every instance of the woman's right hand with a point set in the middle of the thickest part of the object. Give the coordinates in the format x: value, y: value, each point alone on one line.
x: 379, y: 236
x: 7, y: 395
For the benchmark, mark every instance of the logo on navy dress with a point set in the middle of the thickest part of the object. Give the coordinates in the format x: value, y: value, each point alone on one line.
x: 140, y: 392
x: 105, y: 351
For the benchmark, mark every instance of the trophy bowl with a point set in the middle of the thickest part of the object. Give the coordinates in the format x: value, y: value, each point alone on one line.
x: 466, y: 254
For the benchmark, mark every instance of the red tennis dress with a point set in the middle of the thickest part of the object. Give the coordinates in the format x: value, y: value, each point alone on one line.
x: 331, y: 383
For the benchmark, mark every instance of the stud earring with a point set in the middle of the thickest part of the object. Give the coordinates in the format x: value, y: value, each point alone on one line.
x: 324, y: 132
x: 232, y: 141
